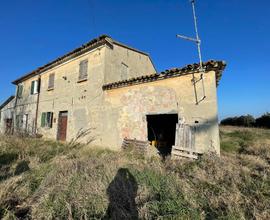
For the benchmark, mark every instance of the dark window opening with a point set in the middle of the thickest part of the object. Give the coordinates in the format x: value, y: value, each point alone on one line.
x: 161, y: 132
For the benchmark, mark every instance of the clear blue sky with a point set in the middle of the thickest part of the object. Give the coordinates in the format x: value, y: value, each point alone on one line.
x: 237, y: 31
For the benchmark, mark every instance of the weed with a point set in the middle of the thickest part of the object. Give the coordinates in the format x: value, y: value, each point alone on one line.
x: 61, y: 181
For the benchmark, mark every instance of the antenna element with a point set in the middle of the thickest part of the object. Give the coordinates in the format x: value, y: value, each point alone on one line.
x: 197, y: 39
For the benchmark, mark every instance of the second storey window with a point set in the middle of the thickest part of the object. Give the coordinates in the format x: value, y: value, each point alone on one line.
x: 46, y: 120
x: 51, y: 81
x: 19, y: 91
x: 83, y: 71
x: 34, y: 87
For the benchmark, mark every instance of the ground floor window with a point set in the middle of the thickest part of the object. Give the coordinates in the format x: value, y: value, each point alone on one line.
x: 46, y: 120
x: 161, y: 132
x: 19, y: 121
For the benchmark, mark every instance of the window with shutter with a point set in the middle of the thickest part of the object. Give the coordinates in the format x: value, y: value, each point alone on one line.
x: 51, y: 81
x: 34, y: 87
x: 19, y: 91
x: 46, y: 120
x: 19, y: 121
x: 43, y: 118
x: 49, y: 119
x: 83, y: 70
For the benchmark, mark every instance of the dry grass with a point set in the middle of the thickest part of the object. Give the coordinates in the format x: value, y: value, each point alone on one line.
x: 48, y: 180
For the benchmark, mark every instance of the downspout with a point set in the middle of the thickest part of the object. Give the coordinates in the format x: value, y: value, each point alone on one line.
x: 37, y: 106
x: 14, y: 112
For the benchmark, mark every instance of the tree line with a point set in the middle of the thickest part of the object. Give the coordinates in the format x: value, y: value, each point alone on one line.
x: 248, y: 121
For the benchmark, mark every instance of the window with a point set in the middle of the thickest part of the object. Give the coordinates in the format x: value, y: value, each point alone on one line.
x: 51, y: 81
x: 124, y: 71
x: 19, y: 91
x: 83, y: 70
x: 19, y: 121
x: 34, y: 87
x: 46, y: 119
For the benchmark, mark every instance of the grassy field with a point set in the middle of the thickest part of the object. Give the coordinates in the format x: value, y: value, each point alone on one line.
x: 48, y: 180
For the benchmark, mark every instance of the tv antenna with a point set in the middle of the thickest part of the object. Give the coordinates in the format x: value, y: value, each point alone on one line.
x: 196, y: 40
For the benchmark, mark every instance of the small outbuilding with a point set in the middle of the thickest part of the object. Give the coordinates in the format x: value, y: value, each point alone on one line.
x: 6, y: 115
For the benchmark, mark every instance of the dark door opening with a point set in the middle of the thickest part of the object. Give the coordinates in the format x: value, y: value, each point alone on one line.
x: 8, y: 126
x: 62, y: 126
x: 161, y: 132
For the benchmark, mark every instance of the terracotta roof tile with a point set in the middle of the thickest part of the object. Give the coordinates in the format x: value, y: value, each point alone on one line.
x: 217, y: 66
x: 103, y: 39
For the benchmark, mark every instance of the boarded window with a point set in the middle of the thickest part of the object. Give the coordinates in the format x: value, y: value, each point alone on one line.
x: 83, y: 71
x: 34, y: 87
x: 51, y: 81
x: 46, y: 120
x: 124, y: 71
x: 19, y: 91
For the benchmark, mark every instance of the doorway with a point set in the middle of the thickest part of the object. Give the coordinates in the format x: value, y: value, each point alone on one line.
x: 62, y: 126
x: 161, y: 132
x: 8, y: 126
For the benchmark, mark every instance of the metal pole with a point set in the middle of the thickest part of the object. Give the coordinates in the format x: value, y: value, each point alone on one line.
x: 197, y: 34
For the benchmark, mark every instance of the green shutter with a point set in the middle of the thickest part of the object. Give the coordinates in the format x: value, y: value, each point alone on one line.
x: 20, y: 90
x: 32, y: 87
x: 43, y: 119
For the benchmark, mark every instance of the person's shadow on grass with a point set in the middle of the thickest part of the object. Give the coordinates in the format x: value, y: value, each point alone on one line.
x: 122, y: 192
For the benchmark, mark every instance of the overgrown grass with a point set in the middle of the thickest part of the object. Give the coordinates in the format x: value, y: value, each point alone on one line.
x: 48, y: 180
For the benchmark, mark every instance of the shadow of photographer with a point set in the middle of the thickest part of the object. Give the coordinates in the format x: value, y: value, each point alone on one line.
x: 122, y: 192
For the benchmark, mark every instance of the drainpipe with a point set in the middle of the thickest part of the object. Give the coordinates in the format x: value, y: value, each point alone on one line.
x: 14, y: 112
x: 37, y: 106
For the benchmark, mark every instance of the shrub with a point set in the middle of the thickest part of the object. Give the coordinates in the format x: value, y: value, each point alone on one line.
x: 244, y: 120
x: 263, y: 121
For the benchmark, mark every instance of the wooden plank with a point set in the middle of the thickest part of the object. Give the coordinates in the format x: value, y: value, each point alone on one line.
x: 183, y: 154
x: 177, y: 148
x: 140, y: 145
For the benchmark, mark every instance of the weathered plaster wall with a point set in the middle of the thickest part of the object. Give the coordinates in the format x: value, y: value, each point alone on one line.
x: 138, y: 63
x: 26, y: 105
x: 84, y: 101
x: 81, y: 99
x: 130, y: 105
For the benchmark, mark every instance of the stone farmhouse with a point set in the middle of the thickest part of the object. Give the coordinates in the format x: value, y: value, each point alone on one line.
x: 111, y: 94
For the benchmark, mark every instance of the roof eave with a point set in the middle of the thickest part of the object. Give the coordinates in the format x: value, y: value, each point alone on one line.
x: 102, y: 40
x: 217, y: 66
x: 7, y: 101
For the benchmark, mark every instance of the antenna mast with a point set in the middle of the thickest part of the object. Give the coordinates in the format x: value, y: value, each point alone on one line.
x: 197, y: 39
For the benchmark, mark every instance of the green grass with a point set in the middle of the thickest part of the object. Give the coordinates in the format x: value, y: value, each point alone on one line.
x: 55, y: 181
